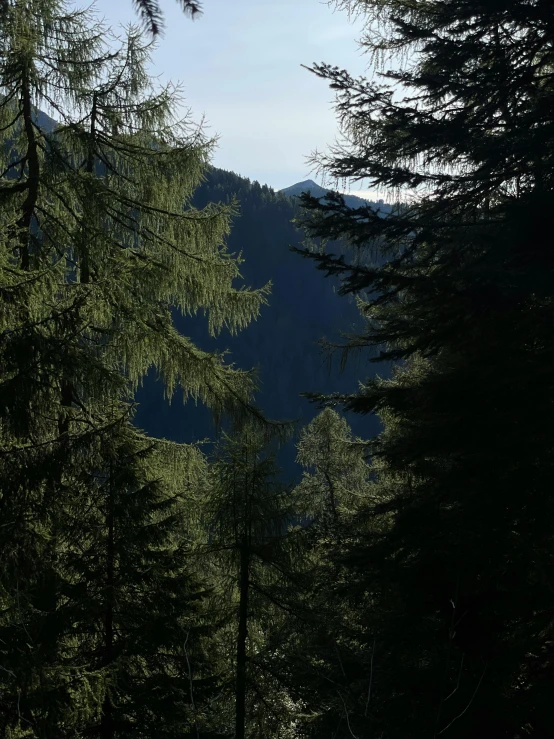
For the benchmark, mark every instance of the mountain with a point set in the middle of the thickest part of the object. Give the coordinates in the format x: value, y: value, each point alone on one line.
x: 318, y: 192
x: 283, y: 343
x: 44, y: 121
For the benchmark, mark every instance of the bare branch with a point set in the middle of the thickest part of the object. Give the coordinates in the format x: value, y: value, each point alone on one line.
x: 468, y: 705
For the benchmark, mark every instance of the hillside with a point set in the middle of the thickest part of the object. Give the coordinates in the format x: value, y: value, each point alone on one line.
x: 282, y: 343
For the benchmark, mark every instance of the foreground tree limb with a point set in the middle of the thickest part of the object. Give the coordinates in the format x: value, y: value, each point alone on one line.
x: 152, y: 15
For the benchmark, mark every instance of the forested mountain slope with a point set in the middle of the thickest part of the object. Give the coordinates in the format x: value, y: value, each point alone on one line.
x: 283, y: 343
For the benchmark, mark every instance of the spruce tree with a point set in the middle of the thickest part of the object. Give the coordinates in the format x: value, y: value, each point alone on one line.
x: 132, y: 602
x: 454, y: 288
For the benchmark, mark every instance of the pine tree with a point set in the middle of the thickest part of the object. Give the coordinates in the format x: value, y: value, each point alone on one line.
x: 458, y: 295
x: 339, y: 473
x: 132, y: 599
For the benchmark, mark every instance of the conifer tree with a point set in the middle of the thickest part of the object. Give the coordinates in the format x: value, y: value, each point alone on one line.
x: 152, y: 16
x: 108, y: 220
x: 99, y: 246
x: 338, y: 477
x: 459, y: 297
x: 326, y: 649
x: 249, y: 512
x: 132, y: 600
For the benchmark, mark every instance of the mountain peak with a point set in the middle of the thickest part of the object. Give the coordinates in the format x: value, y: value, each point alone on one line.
x: 306, y: 184
x: 353, y: 201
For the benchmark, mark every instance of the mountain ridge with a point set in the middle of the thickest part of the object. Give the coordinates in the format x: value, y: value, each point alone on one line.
x: 317, y: 191
x: 283, y: 342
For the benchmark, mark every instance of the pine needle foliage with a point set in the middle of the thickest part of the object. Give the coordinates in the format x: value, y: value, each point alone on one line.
x: 152, y: 15
x: 129, y: 596
x: 109, y: 620
x: 110, y: 215
x: 326, y: 648
x: 336, y: 478
x: 99, y: 247
x: 454, y: 288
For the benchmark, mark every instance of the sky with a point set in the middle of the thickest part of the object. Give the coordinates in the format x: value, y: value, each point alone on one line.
x: 240, y: 67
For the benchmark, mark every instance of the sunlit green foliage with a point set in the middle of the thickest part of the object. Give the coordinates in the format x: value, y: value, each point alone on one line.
x: 99, y: 246
x: 251, y: 559
x: 337, y: 480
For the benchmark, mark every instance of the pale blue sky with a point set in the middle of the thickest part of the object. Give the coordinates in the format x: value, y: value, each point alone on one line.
x: 240, y: 67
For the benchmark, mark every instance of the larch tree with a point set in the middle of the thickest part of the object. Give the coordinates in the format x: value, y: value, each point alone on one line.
x: 248, y: 513
x: 99, y: 246
x: 152, y: 15
x: 455, y: 288
x: 336, y: 471
x: 326, y: 649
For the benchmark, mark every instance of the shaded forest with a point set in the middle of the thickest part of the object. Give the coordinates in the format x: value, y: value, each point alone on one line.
x: 286, y: 342
x: 366, y: 554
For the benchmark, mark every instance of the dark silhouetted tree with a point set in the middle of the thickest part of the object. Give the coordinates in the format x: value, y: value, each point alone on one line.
x: 455, y: 289
x: 248, y: 513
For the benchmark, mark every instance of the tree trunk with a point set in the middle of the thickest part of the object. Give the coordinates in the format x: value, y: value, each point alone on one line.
x: 25, y: 221
x: 89, y: 168
x: 107, y: 723
x: 240, y: 693
x: 332, y: 501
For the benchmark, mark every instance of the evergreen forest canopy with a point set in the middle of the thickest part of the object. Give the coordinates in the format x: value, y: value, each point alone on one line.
x: 402, y: 587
